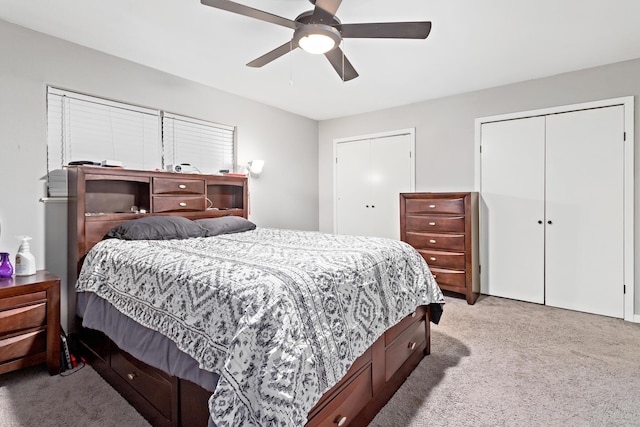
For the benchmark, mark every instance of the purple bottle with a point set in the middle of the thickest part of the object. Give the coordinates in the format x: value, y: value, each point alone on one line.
x: 6, y: 269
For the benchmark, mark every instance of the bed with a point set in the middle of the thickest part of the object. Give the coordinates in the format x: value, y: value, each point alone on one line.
x: 250, y: 326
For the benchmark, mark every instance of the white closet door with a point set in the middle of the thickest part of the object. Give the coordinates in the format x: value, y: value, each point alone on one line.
x: 584, y: 230
x: 512, y: 209
x: 352, y: 187
x: 390, y: 175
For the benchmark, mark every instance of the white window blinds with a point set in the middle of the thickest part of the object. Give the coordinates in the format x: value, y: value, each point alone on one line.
x: 208, y: 146
x: 87, y: 128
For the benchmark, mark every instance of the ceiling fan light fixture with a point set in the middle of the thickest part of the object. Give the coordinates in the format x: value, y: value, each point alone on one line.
x: 317, y: 38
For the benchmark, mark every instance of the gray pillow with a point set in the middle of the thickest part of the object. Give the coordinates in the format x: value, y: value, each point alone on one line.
x: 225, y: 225
x: 157, y: 228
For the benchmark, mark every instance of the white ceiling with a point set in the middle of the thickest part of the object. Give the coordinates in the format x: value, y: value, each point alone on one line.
x: 473, y: 45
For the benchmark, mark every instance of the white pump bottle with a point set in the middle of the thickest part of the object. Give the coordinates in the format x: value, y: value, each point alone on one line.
x: 25, y: 261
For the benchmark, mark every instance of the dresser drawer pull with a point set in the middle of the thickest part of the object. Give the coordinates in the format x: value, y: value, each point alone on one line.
x: 432, y: 258
x: 412, y: 345
x: 432, y: 223
x: 132, y: 376
x: 432, y: 241
x: 340, y: 420
x: 182, y: 186
x: 183, y: 204
x: 414, y: 314
x: 435, y: 276
x: 432, y: 206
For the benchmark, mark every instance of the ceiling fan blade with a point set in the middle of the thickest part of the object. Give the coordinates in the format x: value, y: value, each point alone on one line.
x: 341, y: 64
x: 274, y: 54
x: 386, y: 30
x: 324, y: 11
x: 250, y: 12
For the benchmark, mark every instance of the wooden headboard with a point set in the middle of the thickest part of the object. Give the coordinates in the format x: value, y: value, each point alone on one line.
x: 101, y: 198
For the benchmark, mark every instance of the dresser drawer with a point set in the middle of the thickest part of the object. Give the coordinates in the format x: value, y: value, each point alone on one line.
x: 452, y: 260
x: 449, y: 277
x: 452, y: 242
x: 178, y: 186
x: 354, y: 397
x: 20, y: 346
x: 393, y: 332
x: 152, y: 383
x: 178, y: 203
x: 18, y: 319
x: 435, y: 223
x: 404, y: 346
x: 441, y: 206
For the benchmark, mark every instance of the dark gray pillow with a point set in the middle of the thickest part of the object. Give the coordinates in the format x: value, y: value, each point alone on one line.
x: 157, y: 228
x: 225, y: 225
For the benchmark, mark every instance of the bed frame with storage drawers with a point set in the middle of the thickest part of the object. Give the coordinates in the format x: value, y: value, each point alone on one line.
x: 101, y: 198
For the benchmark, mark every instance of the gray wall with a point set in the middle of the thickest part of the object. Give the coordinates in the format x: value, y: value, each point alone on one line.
x: 30, y: 61
x: 445, y: 129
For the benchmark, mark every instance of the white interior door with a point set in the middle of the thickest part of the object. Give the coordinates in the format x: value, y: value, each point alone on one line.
x: 390, y: 175
x: 585, y: 211
x: 512, y: 208
x: 352, y: 188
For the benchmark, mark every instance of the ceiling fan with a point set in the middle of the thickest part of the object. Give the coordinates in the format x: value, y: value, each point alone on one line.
x: 319, y: 31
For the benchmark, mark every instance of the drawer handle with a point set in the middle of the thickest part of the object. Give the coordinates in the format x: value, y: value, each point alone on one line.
x: 432, y: 206
x: 432, y: 223
x: 132, y: 376
x: 414, y: 314
x: 183, y: 204
x: 435, y: 276
x: 340, y: 420
x: 432, y: 258
x: 182, y: 186
x: 432, y: 241
x: 412, y: 345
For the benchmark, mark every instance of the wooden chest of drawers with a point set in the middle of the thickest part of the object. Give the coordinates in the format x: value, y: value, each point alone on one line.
x: 30, y: 322
x: 443, y: 227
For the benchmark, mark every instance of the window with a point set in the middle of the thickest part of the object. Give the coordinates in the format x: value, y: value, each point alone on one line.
x: 87, y: 128
x: 207, y: 146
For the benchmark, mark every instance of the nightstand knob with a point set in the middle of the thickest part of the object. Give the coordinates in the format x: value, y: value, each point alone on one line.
x: 183, y: 204
x: 132, y: 376
x: 340, y: 420
x: 412, y: 345
x: 182, y: 186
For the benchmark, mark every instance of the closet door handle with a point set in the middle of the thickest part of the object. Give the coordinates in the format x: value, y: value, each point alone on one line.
x: 549, y: 222
x: 540, y: 222
x: 366, y: 206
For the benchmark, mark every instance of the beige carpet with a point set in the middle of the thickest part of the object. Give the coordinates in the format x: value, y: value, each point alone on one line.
x: 496, y: 363
x: 508, y: 363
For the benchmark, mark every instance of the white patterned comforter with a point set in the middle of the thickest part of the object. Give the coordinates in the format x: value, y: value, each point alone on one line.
x: 280, y: 315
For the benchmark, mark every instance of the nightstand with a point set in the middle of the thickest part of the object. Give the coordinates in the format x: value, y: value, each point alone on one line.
x: 30, y: 322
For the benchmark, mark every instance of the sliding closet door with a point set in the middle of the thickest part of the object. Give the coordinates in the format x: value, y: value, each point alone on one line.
x: 585, y: 202
x: 512, y: 208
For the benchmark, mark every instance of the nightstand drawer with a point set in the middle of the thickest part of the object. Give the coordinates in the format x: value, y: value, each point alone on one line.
x: 405, y: 345
x: 435, y: 223
x: 24, y: 345
x: 177, y: 186
x: 446, y: 206
x: 26, y: 317
x: 178, y: 203
x: 152, y: 383
x: 452, y: 260
x: 20, y: 300
x: 452, y: 242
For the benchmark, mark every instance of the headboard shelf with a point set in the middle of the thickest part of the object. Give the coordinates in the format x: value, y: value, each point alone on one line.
x: 101, y: 198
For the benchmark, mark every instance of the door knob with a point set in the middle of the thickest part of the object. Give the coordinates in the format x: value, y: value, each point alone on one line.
x: 540, y: 222
x: 549, y: 222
